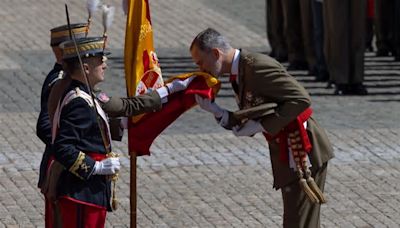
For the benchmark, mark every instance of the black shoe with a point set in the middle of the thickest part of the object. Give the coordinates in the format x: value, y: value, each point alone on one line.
x: 358, y: 89
x: 329, y: 85
x: 382, y: 53
x: 396, y: 55
x: 297, y: 65
x: 342, y: 89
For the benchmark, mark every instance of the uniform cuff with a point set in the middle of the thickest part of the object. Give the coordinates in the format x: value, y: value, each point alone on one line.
x: 83, y: 166
x: 163, y: 93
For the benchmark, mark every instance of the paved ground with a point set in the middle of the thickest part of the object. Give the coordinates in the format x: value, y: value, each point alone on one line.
x: 199, y: 175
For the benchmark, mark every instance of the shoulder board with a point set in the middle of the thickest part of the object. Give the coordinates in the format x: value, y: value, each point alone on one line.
x: 75, y: 93
x: 59, y: 76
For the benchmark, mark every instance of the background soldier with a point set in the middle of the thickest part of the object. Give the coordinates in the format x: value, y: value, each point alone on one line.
x: 345, y: 25
x: 43, y: 126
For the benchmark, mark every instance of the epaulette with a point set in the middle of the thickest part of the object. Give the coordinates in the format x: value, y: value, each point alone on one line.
x: 82, y: 94
x: 248, y: 59
x: 59, y: 76
x: 72, y: 94
x: 75, y: 93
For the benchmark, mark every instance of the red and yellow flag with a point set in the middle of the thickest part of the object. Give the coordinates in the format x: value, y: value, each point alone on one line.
x: 142, y: 69
x: 142, y: 72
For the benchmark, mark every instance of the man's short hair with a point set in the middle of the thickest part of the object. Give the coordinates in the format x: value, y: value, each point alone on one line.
x: 71, y: 65
x: 209, y: 39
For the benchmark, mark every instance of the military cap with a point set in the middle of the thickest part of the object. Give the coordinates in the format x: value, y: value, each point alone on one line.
x: 61, y: 33
x: 87, y: 47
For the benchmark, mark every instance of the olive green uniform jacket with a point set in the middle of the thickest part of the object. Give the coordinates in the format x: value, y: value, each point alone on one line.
x: 263, y: 80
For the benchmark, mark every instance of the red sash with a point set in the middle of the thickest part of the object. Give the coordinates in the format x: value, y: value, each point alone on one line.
x: 295, y: 125
x: 96, y: 156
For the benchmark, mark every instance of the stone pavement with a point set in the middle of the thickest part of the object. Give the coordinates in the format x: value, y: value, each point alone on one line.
x: 199, y: 175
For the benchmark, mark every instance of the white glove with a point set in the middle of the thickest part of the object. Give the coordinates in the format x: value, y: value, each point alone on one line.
x: 178, y: 85
x: 209, y: 106
x: 221, y: 114
x: 107, y: 166
x: 250, y: 128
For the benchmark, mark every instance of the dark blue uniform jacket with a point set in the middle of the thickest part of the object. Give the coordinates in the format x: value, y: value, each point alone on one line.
x: 43, y: 129
x: 79, y: 134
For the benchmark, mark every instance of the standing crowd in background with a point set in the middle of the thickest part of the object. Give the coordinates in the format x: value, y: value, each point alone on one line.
x: 328, y: 38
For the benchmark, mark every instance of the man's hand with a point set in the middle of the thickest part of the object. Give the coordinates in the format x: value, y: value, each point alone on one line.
x: 178, y: 85
x: 209, y: 106
x: 107, y: 166
x: 102, y: 97
x: 250, y: 128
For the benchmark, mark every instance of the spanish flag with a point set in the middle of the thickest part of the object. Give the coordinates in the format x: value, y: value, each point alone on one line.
x: 142, y: 69
x: 142, y: 72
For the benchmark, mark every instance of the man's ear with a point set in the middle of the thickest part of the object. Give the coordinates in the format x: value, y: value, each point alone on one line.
x: 86, y: 68
x: 216, y: 53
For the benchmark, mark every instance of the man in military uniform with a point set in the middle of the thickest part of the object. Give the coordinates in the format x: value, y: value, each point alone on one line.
x: 81, y: 142
x: 260, y: 81
x: 81, y: 136
x: 43, y: 126
x: 43, y: 129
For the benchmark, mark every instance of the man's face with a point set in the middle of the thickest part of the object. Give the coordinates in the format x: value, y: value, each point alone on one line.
x: 96, y: 68
x: 208, y: 61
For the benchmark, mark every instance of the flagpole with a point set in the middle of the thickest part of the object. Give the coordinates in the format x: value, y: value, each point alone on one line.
x: 138, y: 40
x: 131, y: 8
x: 133, y: 187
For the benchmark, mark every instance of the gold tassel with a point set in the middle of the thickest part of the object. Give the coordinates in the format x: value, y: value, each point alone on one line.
x: 311, y: 183
x: 114, y: 199
x: 114, y: 178
x: 303, y: 184
x: 308, y: 191
x: 317, y: 191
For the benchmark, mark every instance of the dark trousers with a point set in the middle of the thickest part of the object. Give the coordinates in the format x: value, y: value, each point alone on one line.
x: 384, y: 24
x: 318, y: 31
x: 397, y: 30
x: 275, y: 27
x: 293, y: 30
x: 345, y: 23
x: 298, y: 30
x: 307, y: 30
x: 299, y: 211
